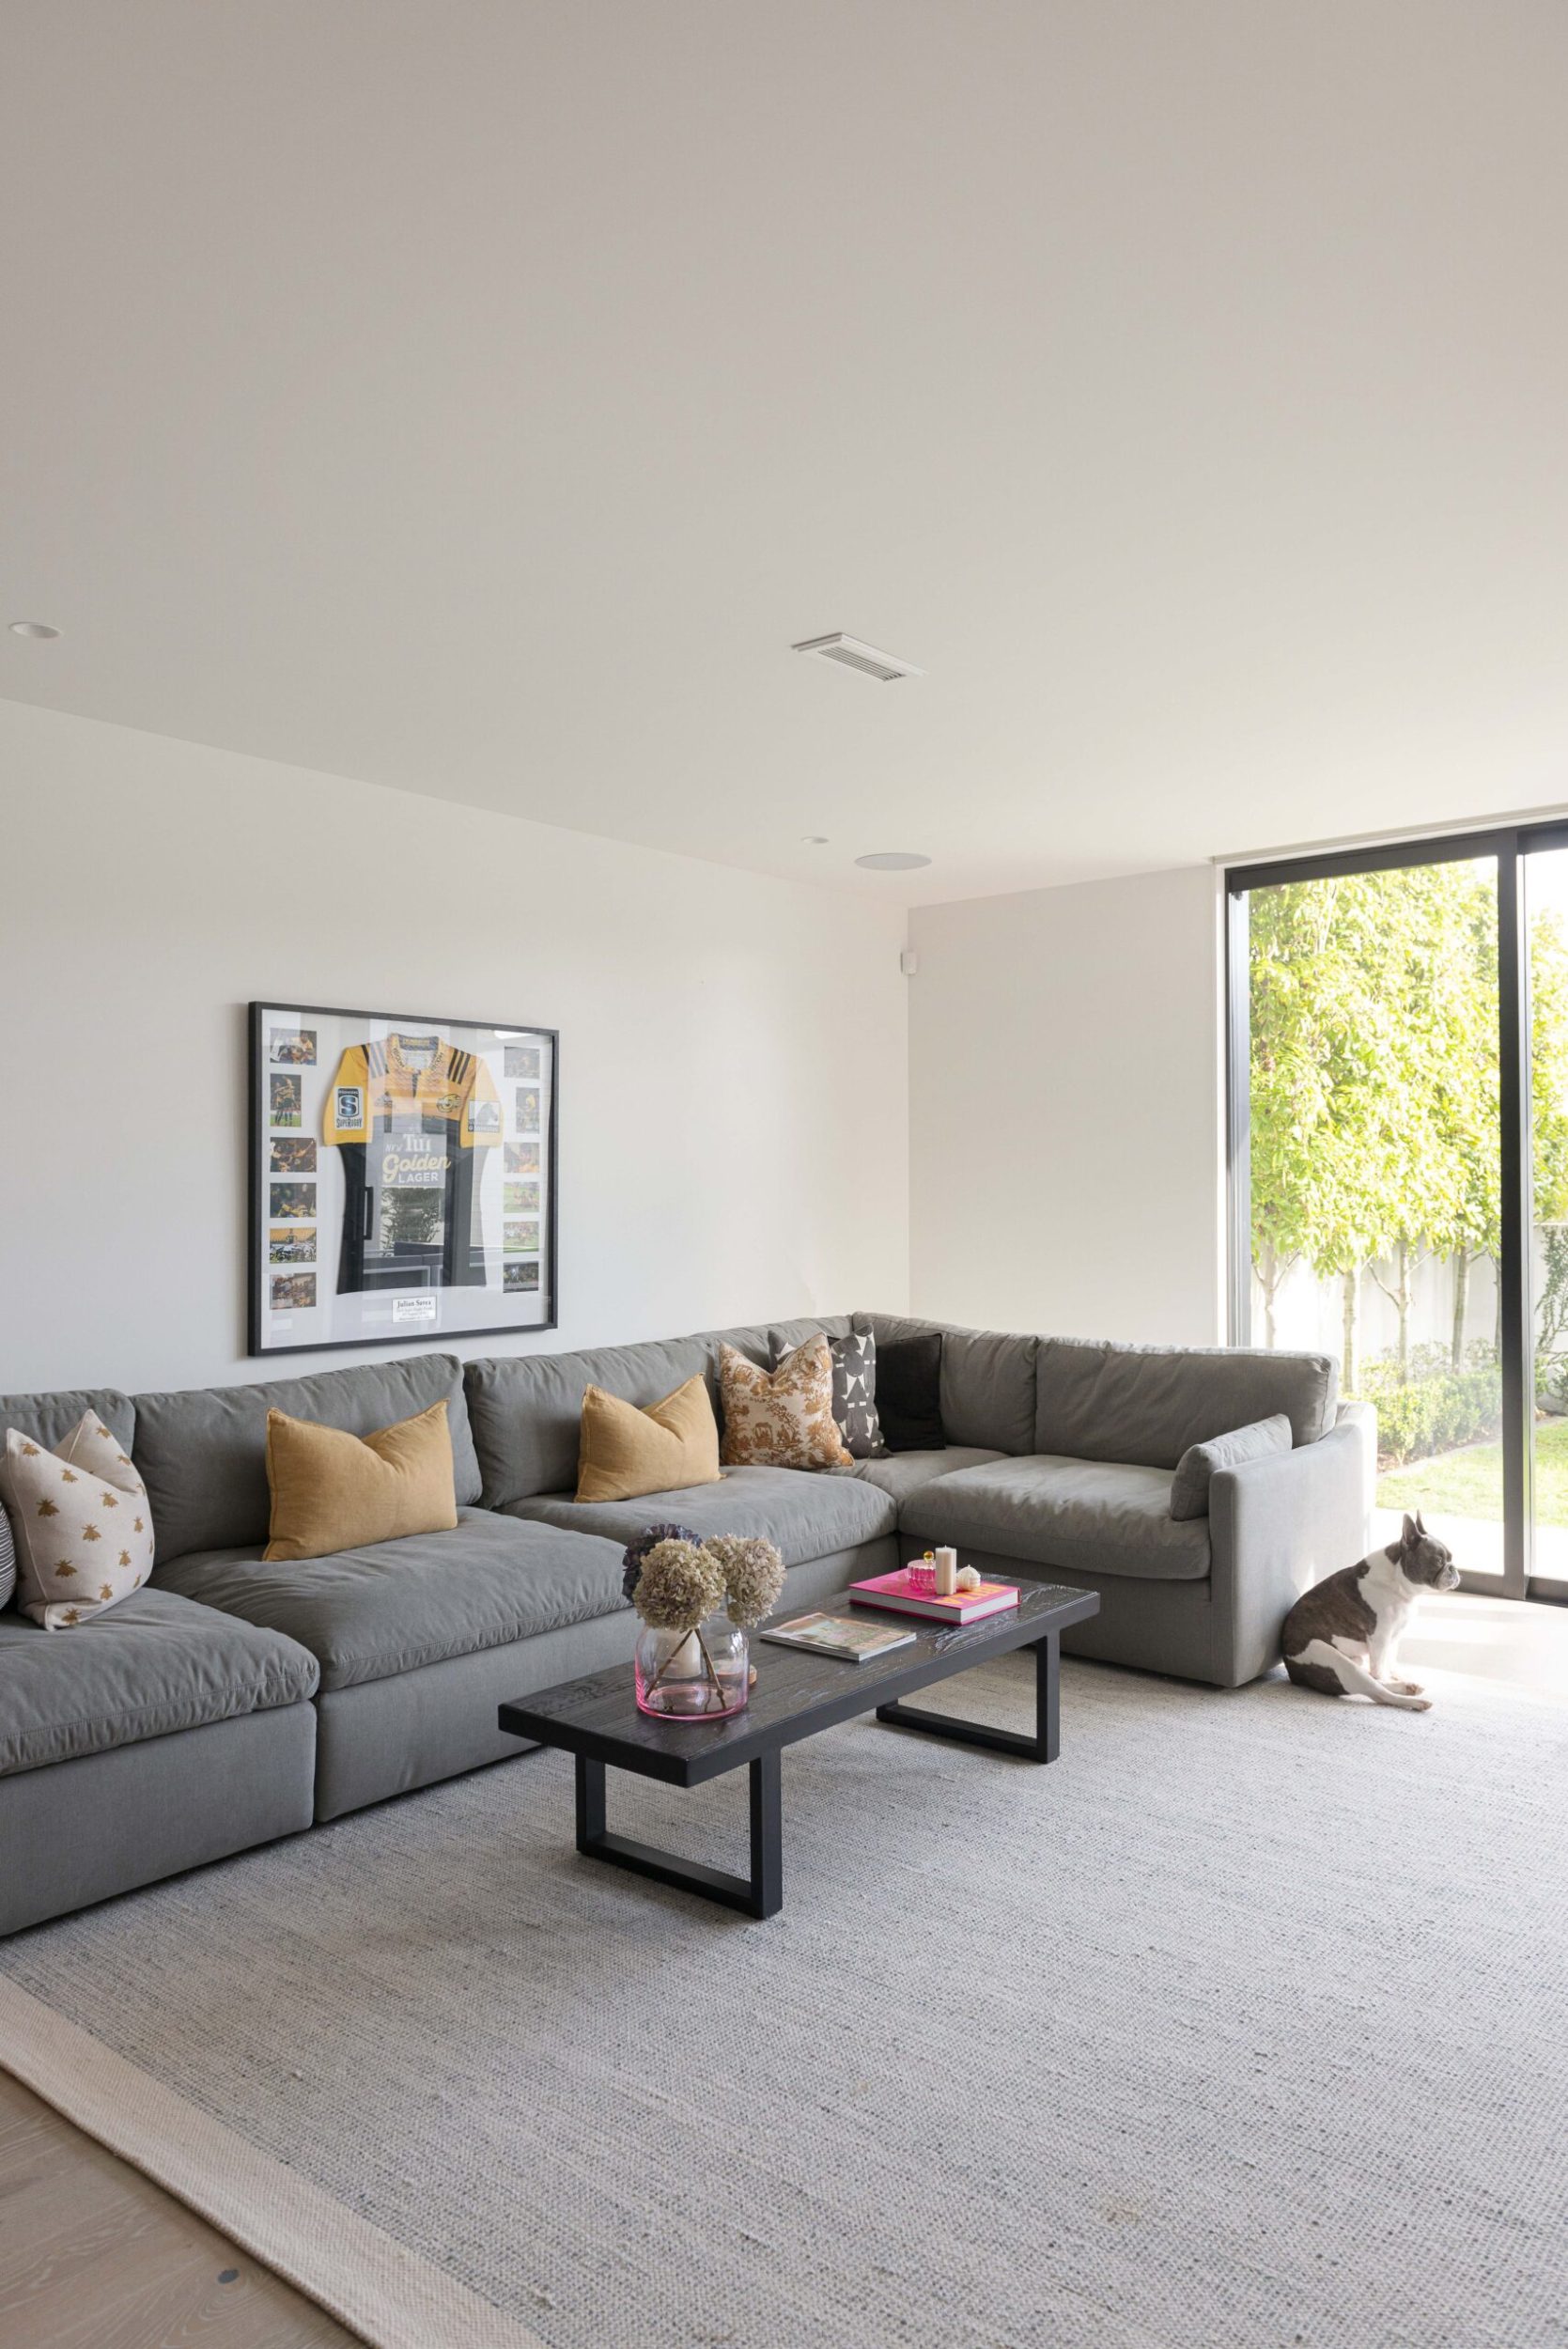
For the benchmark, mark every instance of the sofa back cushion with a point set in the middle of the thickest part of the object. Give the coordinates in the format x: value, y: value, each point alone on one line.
x: 526, y: 1408
x: 988, y: 1380
x: 1145, y: 1405
x: 48, y: 1419
x: 202, y: 1451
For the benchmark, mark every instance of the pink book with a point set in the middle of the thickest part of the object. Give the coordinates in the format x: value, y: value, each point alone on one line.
x: 907, y: 1598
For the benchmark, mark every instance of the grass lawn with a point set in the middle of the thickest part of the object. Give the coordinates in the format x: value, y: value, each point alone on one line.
x: 1468, y: 1482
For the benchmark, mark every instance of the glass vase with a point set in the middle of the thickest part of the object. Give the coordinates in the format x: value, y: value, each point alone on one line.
x: 700, y: 1675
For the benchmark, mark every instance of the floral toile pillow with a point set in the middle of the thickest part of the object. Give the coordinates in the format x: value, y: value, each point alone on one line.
x: 83, y: 1527
x: 855, y: 1394
x: 781, y: 1418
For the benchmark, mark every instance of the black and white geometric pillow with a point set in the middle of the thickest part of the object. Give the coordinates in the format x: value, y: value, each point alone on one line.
x: 8, y: 1561
x: 855, y: 1395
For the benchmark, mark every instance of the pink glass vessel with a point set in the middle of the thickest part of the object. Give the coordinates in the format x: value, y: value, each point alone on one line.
x: 700, y: 1675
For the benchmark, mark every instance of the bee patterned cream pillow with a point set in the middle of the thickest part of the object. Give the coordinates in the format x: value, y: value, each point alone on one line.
x: 83, y: 1527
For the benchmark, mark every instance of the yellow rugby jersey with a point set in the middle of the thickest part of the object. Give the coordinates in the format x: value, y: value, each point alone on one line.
x: 409, y: 1114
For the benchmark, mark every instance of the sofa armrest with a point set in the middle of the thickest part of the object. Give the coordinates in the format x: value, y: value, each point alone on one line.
x: 1278, y: 1524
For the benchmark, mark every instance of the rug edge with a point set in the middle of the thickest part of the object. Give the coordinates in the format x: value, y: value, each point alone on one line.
x: 391, y: 2296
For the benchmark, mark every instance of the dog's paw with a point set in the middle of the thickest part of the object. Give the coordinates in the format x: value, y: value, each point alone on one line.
x: 1420, y: 1705
x: 1404, y: 1687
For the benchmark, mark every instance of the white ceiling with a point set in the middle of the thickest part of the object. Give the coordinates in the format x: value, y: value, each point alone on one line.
x: 480, y: 398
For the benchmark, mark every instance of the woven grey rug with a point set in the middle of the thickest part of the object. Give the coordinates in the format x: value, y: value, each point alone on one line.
x: 1242, y: 2024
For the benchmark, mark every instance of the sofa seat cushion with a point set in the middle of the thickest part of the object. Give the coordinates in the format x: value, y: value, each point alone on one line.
x: 1099, y: 1517
x: 151, y: 1666
x: 367, y: 1614
x: 901, y: 1473
x: 805, y: 1512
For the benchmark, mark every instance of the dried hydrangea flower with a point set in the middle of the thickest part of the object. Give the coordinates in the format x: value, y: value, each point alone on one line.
x: 637, y: 1549
x: 680, y: 1585
x: 753, y: 1573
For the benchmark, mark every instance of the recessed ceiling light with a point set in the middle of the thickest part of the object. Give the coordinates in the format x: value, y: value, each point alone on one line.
x: 893, y: 861
x: 814, y: 840
x: 40, y: 631
x: 850, y: 653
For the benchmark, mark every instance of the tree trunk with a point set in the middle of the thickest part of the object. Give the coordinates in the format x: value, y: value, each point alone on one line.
x: 1461, y: 1306
x: 1401, y: 1296
x: 1352, y: 1302
x: 1268, y: 1275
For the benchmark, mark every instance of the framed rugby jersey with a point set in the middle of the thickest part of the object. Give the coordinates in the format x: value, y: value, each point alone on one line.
x: 403, y: 1178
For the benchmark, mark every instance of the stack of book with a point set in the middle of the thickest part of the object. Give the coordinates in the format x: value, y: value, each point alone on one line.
x: 911, y: 1593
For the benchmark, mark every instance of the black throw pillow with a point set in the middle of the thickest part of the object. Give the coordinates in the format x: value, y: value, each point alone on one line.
x: 908, y: 1392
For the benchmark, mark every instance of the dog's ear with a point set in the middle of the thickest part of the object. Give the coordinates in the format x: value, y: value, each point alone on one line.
x: 1420, y: 1525
x: 1410, y: 1532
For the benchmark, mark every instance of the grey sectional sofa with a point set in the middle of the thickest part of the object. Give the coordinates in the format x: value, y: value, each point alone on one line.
x: 232, y: 1702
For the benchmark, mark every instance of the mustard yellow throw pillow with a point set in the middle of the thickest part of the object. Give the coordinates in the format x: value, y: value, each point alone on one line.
x: 781, y: 1418
x: 335, y: 1491
x: 624, y: 1452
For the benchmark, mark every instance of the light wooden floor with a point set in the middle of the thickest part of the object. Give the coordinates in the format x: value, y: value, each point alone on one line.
x: 1512, y: 1641
x: 95, y: 2256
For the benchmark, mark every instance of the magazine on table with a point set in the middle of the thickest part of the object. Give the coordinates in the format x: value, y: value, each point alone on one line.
x: 848, y: 1637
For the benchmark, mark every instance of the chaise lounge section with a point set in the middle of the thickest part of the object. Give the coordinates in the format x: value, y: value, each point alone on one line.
x: 232, y: 1700
x: 1088, y: 1502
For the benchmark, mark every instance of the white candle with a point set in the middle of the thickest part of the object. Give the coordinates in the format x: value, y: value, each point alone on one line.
x: 947, y: 1573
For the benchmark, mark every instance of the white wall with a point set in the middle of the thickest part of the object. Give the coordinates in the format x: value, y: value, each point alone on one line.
x: 1064, y: 1100
x: 734, y: 1065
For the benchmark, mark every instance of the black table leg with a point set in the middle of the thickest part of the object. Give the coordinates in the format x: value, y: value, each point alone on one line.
x: 760, y: 1894
x: 767, y: 1835
x: 1043, y: 1746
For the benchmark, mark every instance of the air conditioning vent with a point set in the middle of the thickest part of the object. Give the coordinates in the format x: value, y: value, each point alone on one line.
x: 850, y: 653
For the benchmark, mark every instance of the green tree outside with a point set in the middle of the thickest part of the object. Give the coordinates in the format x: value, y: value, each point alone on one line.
x: 1375, y: 1101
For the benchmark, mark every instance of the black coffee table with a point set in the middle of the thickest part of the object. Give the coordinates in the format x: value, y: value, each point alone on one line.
x: 796, y: 1695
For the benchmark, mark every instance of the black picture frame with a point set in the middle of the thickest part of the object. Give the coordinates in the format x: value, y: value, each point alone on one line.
x: 268, y: 1125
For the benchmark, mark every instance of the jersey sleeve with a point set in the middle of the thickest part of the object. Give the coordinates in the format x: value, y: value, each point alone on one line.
x: 480, y: 1128
x: 347, y: 1115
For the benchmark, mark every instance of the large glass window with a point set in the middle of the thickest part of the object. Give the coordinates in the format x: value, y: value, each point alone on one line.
x: 1375, y: 1169
x: 1399, y: 1157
